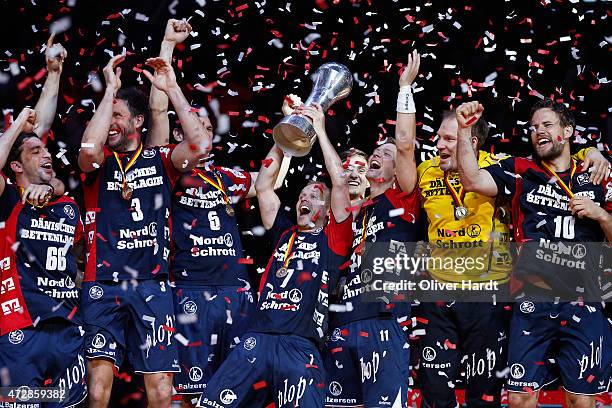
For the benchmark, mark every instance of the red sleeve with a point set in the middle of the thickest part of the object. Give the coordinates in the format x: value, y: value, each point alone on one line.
x: 607, y: 185
x: 339, y: 235
x: 410, y: 202
x: 165, y: 152
x: 237, y: 182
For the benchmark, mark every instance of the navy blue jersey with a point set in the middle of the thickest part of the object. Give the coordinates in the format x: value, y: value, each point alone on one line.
x: 37, y: 264
x: 541, y: 214
x: 392, y: 216
x: 539, y: 205
x: 205, y: 238
x: 297, y: 301
x: 129, y: 239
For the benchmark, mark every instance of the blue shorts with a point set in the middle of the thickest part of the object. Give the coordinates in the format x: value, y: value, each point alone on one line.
x: 48, y: 355
x: 576, y: 339
x: 463, y: 341
x: 137, y: 320
x: 281, y: 367
x: 368, y: 363
x: 212, y: 320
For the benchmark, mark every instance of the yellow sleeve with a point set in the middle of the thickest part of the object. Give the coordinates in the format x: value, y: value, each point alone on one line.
x: 582, y: 154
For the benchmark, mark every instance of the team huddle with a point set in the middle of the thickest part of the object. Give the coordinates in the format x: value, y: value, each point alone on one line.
x: 150, y: 268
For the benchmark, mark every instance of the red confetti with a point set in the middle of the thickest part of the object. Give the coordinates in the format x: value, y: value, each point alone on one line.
x: 259, y: 385
x: 245, y: 261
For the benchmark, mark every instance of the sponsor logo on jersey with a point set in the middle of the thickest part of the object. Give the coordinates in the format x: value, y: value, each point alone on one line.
x: 190, y: 307
x: 335, y: 388
x: 290, y: 394
x: 96, y: 292
x: 148, y: 153
x: 527, y: 307
x: 195, y: 373
x: 69, y: 211
x: 15, y: 337
x: 429, y: 354
x: 517, y: 371
x: 99, y: 341
x: 250, y: 343
x: 227, y: 396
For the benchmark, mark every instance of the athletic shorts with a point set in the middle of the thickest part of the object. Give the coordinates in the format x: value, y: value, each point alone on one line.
x: 133, y: 318
x: 368, y: 363
x: 210, y: 321
x: 50, y: 355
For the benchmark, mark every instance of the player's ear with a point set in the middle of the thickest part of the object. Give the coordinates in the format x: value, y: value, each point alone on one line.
x: 138, y: 121
x: 568, y: 132
x: 17, y: 167
x: 178, y: 135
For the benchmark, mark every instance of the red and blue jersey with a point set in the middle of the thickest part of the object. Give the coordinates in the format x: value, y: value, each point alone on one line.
x: 564, y: 252
x: 37, y: 265
x: 129, y: 238
x: 391, y: 217
x: 540, y: 207
x: 206, y: 242
x: 295, y: 287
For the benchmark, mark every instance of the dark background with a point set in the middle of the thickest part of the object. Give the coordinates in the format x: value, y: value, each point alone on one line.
x: 466, y: 48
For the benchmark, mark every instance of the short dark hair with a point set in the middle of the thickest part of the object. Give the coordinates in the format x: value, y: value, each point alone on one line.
x: 480, y: 129
x: 137, y: 101
x: 15, y: 153
x: 347, y: 154
x: 566, y: 118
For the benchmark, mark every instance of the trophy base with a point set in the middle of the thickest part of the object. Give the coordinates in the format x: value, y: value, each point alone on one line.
x: 294, y: 135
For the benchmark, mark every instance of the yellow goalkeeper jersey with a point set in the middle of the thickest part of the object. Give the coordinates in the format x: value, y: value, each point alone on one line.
x: 474, y: 247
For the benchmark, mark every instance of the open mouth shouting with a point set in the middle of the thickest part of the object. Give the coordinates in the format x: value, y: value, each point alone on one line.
x: 47, y: 167
x: 375, y: 164
x: 543, y: 142
x: 304, y: 209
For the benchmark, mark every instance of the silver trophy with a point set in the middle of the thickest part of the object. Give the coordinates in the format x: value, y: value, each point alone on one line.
x: 295, y: 134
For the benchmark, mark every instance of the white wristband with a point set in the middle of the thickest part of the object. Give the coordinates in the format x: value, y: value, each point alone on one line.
x: 405, y: 102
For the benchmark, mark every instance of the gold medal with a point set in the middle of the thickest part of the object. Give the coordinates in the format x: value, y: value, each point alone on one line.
x: 461, y: 212
x: 230, y: 210
x: 282, y: 272
x: 126, y: 192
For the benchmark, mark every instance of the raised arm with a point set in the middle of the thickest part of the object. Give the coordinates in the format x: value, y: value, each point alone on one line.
x: 340, y: 200
x: 290, y: 103
x: 405, y: 128
x: 269, y: 203
x: 473, y: 178
x: 25, y: 122
x: 159, y: 131
x: 197, y: 142
x: 45, y: 108
x: 96, y: 133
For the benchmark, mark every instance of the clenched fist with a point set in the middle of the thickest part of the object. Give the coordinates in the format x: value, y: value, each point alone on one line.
x: 468, y: 113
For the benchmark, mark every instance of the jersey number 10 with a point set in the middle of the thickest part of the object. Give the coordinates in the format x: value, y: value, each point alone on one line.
x: 565, y: 225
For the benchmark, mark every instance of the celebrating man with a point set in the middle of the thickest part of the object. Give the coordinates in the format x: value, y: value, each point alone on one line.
x: 127, y: 301
x: 553, y: 200
x: 279, y: 357
x: 40, y: 340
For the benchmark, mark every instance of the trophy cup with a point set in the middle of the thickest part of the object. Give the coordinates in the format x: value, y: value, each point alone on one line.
x: 295, y: 134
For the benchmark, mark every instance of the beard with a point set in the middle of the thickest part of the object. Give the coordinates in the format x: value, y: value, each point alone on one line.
x: 124, y: 141
x: 552, y: 153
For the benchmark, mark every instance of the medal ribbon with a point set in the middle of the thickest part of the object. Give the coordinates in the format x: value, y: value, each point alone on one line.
x: 287, y: 255
x: 561, y: 183
x: 457, y: 197
x: 22, y: 190
x: 218, y: 185
x: 129, y: 164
